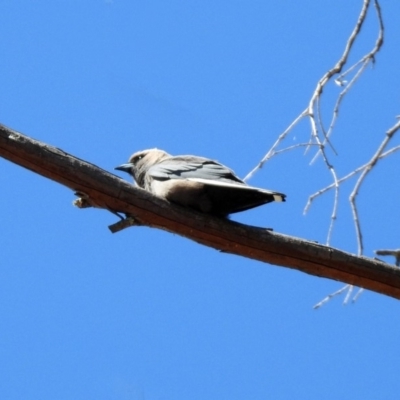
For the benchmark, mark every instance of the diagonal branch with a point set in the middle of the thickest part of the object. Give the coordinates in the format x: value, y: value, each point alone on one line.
x: 105, y: 190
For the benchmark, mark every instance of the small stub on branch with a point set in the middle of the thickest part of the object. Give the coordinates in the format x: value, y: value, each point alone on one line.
x: 395, y: 253
x: 123, y: 224
x: 83, y: 201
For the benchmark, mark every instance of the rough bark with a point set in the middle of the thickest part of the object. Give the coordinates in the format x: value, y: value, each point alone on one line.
x: 101, y: 189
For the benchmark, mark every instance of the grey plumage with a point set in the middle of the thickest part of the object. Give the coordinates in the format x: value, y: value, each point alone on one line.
x: 195, y: 182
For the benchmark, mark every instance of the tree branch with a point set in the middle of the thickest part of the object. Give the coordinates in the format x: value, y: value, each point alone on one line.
x: 104, y: 190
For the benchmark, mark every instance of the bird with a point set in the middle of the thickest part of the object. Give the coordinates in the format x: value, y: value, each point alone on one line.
x: 195, y: 182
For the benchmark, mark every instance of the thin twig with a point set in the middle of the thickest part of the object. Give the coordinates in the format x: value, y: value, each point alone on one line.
x: 313, y: 110
x: 318, y: 128
x: 346, y: 177
x: 357, y: 295
x: 281, y: 137
x: 364, y: 61
x: 330, y: 296
x: 336, y: 108
x: 275, y: 153
x: 334, y: 211
x: 348, y: 294
x: 369, y: 166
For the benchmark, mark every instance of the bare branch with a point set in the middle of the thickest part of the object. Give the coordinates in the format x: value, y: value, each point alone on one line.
x: 362, y: 64
x: 319, y: 135
x: 105, y: 190
x: 344, y: 178
x: 368, y: 167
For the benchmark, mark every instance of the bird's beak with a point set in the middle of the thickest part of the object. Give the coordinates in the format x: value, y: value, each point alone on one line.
x: 125, y: 167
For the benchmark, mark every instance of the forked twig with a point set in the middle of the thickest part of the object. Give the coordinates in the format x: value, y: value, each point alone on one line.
x: 271, y: 152
x: 344, y: 178
x: 330, y: 296
x: 365, y: 171
x: 320, y: 137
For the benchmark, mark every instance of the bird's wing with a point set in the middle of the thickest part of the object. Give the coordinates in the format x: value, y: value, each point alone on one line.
x: 239, y: 186
x: 190, y: 167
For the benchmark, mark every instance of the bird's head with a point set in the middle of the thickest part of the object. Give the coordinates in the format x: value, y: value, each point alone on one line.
x: 140, y: 162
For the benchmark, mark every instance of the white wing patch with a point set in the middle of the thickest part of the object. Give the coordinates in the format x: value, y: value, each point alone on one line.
x: 277, y: 196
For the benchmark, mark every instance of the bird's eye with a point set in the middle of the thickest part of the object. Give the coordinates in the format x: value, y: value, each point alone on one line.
x: 137, y: 158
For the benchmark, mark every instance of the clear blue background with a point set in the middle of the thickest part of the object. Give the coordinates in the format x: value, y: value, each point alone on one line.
x: 144, y: 314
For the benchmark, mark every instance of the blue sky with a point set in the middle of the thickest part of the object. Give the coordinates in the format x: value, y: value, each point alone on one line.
x: 144, y: 314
